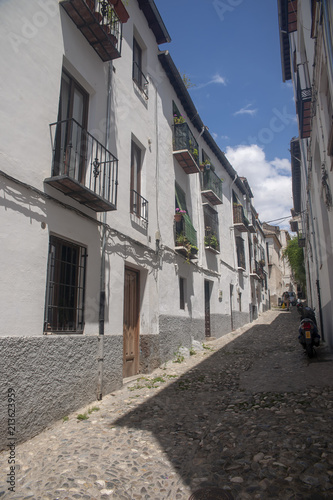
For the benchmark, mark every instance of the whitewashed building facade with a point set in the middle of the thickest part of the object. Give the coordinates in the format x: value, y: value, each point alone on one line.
x: 306, y: 36
x: 101, y: 145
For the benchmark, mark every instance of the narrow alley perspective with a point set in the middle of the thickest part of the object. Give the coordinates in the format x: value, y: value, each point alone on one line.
x: 247, y: 417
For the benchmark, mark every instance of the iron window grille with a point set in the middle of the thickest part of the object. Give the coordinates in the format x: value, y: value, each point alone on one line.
x: 139, y: 205
x: 240, y: 253
x: 140, y: 79
x: 65, y: 290
x: 211, y: 220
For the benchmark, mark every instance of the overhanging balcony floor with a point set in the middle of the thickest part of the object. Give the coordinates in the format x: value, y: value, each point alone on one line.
x: 186, y: 161
x: 212, y: 197
x: 71, y: 187
x: 86, y: 21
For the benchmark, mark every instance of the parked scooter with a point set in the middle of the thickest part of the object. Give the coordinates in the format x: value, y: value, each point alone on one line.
x: 308, y: 331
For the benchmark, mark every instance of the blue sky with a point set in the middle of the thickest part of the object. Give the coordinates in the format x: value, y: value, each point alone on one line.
x: 230, y: 50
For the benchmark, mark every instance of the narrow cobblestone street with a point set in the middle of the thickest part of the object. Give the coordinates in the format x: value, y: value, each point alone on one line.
x: 249, y: 414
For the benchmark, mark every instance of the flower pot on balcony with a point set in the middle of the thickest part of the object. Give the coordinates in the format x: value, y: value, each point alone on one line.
x: 121, y: 11
x: 98, y: 16
x: 91, y: 5
x: 178, y: 217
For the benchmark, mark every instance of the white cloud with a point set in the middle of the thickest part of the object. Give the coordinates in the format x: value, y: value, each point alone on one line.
x: 216, y: 79
x: 270, y: 181
x: 246, y: 111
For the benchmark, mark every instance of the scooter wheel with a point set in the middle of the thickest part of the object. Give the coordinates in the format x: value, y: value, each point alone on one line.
x: 309, y: 351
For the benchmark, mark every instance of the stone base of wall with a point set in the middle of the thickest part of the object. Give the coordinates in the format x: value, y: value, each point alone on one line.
x: 240, y: 319
x: 219, y: 325
x: 176, y: 332
x: 53, y: 376
x: 149, y: 353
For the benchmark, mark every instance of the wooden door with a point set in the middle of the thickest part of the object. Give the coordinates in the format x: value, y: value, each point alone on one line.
x: 207, y: 308
x: 131, y: 323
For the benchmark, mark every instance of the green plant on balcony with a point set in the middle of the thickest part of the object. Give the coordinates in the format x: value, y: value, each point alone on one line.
x: 205, y: 165
x: 211, y: 241
x: 182, y: 241
x: 178, y: 119
x: 195, y: 153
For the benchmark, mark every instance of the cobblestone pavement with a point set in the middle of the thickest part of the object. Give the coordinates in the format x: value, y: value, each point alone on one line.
x: 250, y: 414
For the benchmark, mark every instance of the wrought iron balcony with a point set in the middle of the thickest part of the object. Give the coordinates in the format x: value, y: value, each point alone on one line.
x: 240, y: 221
x: 186, y: 238
x: 212, y: 241
x: 82, y: 167
x: 241, y: 261
x: 99, y: 23
x: 140, y: 79
x: 211, y: 187
x: 255, y: 270
x: 304, y: 97
x: 185, y: 148
x: 252, y: 225
x: 139, y: 206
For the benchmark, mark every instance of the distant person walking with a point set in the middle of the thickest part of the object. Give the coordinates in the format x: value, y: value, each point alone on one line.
x: 286, y: 300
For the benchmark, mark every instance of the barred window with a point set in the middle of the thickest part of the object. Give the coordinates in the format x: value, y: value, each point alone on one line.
x: 64, y: 308
x: 240, y: 252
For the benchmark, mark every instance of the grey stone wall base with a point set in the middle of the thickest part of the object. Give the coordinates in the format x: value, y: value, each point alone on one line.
x: 220, y: 324
x: 176, y: 332
x: 240, y: 319
x: 149, y: 353
x: 53, y: 376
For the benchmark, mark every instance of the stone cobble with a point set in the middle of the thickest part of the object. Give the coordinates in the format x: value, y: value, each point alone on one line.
x: 249, y: 414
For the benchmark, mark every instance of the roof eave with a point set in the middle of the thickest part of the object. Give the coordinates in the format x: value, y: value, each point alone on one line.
x: 155, y: 21
x: 193, y: 115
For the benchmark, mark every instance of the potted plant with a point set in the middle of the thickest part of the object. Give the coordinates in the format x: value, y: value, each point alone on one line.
x: 211, y: 242
x: 91, y: 5
x: 189, y: 249
x: 120, y: 10
x: 179, y: 214
x: 204, y: 165
x: 178, y: 119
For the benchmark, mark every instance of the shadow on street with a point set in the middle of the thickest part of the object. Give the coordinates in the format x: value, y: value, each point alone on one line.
x: 242, y: 401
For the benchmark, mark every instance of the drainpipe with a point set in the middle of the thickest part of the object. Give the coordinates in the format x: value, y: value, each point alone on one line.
x: 102, y: 272
x: 328, y: 36
x: 232, y: 211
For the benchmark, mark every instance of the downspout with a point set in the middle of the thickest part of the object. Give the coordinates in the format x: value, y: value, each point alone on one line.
x: 328, y: 36
x: 102, y: 272
x: 232, y: 211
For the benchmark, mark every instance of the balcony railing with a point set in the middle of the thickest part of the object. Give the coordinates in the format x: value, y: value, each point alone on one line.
x: 241, y: 262
x: 304, y: 97
x: 82, y: 167
x: 211, y: 187
x: 240, y: 221
x: 185, y: 237
x: 139, y: 206
x: 140, y: 79
x: 255, y: 270
x: 252, y: 224
x: 212, y: 240
x: 185, y: 148
x: 99, y: 23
